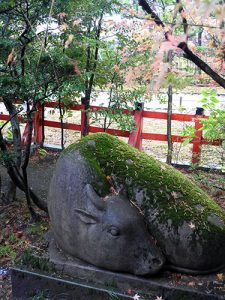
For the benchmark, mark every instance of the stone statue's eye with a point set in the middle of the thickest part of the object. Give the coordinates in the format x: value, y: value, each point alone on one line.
x: 113, y: 231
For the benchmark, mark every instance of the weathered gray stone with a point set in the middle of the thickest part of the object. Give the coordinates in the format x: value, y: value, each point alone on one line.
x: 107, y: 232
x: 187, y: 225
x: 215, y: 220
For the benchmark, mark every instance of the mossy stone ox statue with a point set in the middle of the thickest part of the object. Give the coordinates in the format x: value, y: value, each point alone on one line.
x: 103, y: 195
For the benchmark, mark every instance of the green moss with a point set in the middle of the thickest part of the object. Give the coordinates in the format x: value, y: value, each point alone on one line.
x: 166, y: 190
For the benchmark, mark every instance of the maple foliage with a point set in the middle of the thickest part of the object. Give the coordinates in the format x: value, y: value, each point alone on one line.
x: 193, y: 14
x: 140, y: 43
x: 11, y: 57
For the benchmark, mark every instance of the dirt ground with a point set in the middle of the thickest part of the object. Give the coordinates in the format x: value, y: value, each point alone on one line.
x: 18, y: 234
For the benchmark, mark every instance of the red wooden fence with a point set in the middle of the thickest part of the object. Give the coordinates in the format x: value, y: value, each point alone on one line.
x: 134, y: 138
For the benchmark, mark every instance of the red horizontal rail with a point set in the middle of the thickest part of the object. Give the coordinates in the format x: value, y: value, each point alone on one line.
x: 116, y: 132
x: 55, y: 124
x: 213, y: 142
x: 177, y: 139
x: 161, y: 137
x: 164, y: 116
x: 6, y: 118
x: 92, y: 129
x: 80, y: 107
x: 55, y: 104
x: 145, y: 114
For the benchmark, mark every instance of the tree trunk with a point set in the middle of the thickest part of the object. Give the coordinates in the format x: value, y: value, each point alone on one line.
x: 61, y: 115
x: 86, y: 102
x: 169, y: 126
x: 10, y: 193
x: 91, y: 65
x: 26, y: 162
x: 42, y: 125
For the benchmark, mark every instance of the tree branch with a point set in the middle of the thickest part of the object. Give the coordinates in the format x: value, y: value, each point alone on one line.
x: 201, y: 64
x: 145, y: 6
x: 184, y: 20
x: 188, y: 53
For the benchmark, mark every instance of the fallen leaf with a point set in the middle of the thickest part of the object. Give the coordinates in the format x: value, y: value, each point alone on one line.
x: 15, y: 228
x: 163, y: 168
x: 130, y: 291
x: 108, y: 178
x: 77, y: 22
x: 69, y: 40
x: 19, y: 234
x: 113, y: 191
x: 220, y: 276
x: 62, y: 14
x: 64, y: 26
x: 191, y: 284
x: 136, y: 297
x: 191, y: 225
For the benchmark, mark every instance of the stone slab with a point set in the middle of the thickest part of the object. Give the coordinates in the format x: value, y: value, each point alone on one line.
x: 28, y: 285
x: 148, y: 288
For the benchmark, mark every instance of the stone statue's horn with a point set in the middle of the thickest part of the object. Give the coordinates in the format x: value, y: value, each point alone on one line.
x: 94, y: 197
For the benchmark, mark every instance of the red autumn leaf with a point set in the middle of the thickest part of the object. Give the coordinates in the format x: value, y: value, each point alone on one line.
x: 76, y: 68
x: 191, y: 284
x: 15, y: 228
x: 130, y: 291
x: 62, y: 14
x: 19, y: 234
x: 113, y: 191
x: 11, y: 57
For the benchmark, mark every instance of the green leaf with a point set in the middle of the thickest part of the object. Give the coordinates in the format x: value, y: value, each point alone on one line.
x: 186, y: 141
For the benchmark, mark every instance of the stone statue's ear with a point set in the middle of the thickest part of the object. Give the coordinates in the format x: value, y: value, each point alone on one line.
x: 94, y: 198
x: 86, y: 217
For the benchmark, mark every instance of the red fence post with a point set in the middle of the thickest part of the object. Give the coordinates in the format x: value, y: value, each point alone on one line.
x: 135, y: 138
x: 37, y: 123
x: 197, y: 141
